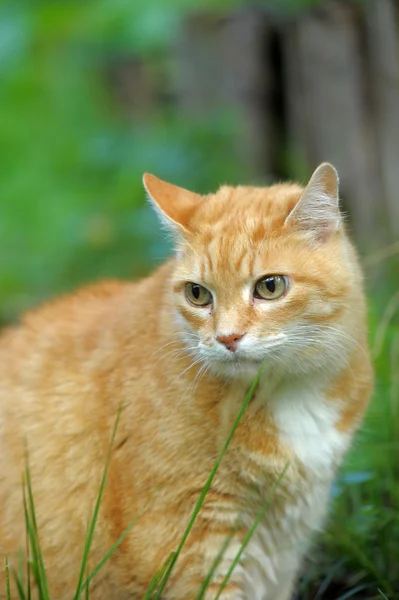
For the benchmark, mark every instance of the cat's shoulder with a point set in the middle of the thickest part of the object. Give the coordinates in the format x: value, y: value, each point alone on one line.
x: 96, y: 305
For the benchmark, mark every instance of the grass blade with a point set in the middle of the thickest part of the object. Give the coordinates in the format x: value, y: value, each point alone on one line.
x: 157, y: 577
x: 21, y: 567
x: 382, y: 594
x: 355, y: 590
x: 28, y: 563
x: 92, y: 525
x: 325, y: 584
x: 250, y: 533
x: 41, y: 578
x: 8, y: 589
x: 87, y: 594
x: 207, y: 485
x: 102, y: 562
x: 19, y: 584
x: 215, y: 564
x: 36, y: 563
x: 356, y: 551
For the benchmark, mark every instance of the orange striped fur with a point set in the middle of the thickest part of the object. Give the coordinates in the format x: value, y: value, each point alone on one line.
x: 68, y: 365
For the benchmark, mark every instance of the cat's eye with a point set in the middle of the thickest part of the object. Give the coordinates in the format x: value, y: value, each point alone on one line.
x: 197, y: 294
x: 271, y: 287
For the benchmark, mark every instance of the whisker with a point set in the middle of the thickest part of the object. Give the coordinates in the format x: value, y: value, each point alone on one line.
x: 183, y: 352
x: 162, y: 347
x: 190, y: 366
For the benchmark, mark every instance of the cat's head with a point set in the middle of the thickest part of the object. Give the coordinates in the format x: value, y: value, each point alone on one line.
x: 261, y: 274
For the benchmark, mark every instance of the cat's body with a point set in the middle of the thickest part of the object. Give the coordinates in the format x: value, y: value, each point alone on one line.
x: 67, y: 368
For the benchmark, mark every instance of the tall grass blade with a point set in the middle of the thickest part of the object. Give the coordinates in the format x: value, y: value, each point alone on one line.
x: 354, y: 591
x: 382, y: 594
x: 252, y: 530
x: 34, y: 568
x: 215, y: 564
x: 28, y: 563
x: 8, y: 589
x: 92, y: 525
x: 207, y: 485
x: 102, y: 562
x: 356, y: 551
x: 87, y: 594
x: 41, y: 578
x: 19, y: 584
x: 21, y: 567
x: 325, y: 584
x: 157, y: 577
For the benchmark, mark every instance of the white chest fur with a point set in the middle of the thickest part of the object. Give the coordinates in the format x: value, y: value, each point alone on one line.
x: 306, y: 422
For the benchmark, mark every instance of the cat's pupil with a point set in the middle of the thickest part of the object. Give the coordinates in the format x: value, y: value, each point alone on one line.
x: 196, y: 291
x: 271, y: 285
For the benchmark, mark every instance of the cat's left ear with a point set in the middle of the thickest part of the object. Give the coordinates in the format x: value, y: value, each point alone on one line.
x: 316, y: 213
x: 174, y: 204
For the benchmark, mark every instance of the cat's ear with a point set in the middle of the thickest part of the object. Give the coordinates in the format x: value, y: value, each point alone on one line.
x: 174, y: 204
x: 316, y: 213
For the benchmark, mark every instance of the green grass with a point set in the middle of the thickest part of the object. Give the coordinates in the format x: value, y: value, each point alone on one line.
x: 34, y: 558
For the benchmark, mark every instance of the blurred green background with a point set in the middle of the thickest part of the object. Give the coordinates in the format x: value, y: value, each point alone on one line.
x: 74, y: 151
x: 93, y: 94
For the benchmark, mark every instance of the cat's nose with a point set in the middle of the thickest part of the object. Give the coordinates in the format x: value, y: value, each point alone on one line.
x: 230, y: 341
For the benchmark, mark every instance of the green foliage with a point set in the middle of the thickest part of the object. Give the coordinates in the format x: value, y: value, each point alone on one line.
x: 93, y: 521
x: 73, y: 205
x: 34, y: 557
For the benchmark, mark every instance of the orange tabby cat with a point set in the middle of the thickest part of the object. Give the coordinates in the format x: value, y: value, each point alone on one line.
x: 261, y: 276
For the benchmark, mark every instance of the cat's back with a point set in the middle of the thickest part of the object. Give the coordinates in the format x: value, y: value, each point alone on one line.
x: 54, y: 324
x: 75, y: 327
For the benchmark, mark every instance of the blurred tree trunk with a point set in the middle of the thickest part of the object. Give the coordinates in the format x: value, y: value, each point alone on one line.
x: 320, y: 85
x: 327, y: 109
x: 221, y: 67
x: 382, y: 38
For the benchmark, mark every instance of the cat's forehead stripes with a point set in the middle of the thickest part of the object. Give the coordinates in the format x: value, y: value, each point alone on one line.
x: 254, y: 210
x: 223, y: 258
x: 234, y: 226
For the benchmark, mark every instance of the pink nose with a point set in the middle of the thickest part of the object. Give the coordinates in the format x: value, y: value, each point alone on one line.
x: 230, y: 341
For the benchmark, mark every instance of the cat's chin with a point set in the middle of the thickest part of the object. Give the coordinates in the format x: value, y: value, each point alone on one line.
x: 236, y: 368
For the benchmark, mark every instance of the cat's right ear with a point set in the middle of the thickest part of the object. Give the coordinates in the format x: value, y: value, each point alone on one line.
x: 174, y: 204
x: 317, y: 214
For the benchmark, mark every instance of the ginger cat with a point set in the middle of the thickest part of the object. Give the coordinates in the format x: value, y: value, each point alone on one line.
x: 261, y: 276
